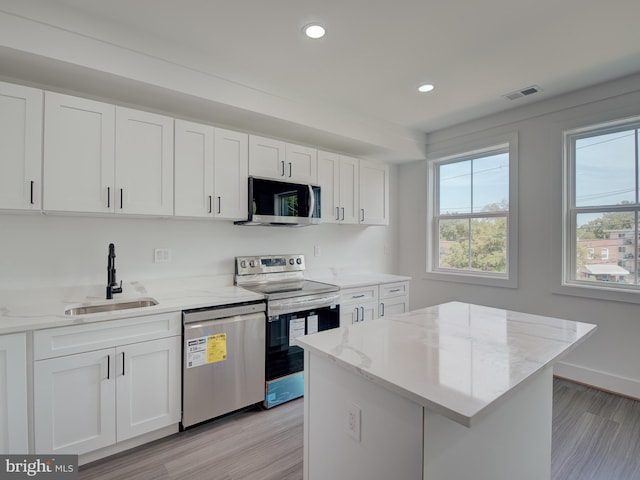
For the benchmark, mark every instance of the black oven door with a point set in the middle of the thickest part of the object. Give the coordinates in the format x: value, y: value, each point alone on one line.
x: 283, y: 356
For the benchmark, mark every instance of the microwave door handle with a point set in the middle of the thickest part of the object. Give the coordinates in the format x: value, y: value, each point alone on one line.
x: 312, y: 201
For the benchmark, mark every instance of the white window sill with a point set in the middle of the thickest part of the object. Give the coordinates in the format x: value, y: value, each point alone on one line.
x: 471, y: 278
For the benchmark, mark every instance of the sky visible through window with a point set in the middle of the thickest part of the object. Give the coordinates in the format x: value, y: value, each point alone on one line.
x: 472, y: 186
x: 605, y: 171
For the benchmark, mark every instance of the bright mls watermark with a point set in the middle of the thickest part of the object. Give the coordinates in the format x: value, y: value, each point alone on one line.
x: 54, y: 467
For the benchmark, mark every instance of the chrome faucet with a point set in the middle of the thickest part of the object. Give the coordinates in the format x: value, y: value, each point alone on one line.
x: 112, y: 283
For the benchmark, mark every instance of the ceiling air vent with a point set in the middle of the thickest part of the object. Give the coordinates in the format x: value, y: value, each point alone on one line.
x: 523, y: 92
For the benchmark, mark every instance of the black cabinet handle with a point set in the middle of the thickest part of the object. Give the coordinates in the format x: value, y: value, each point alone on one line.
x: 219, y: 204
x: 362, y: 210
x: 342, y: 208
x: 210, y: 204
x: 123, y: 364
x: 121, y: 197
x: 32, y: 185
x: 282, y: 167
x: 108, y: 367
x: 290, y: 170
x: 108, y: 197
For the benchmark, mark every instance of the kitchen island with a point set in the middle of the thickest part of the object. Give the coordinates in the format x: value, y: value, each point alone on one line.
x: 454, y: 391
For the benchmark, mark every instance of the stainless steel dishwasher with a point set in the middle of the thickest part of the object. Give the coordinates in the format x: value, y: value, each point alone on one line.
x: 223, y: 360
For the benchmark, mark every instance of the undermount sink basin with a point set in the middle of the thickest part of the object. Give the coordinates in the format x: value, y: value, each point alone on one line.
x: 111, y: 307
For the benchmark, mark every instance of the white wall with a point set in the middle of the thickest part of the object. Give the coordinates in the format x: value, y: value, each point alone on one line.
x: 40, y: 250
x: 611, y: 357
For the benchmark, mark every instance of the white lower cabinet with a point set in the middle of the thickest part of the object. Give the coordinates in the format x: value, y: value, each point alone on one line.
x: 394, y: 298
x: 358, y: 304
x: 13, y: 394
x: 368, y: 302
x: 90, y: 400
x: 74, y: 400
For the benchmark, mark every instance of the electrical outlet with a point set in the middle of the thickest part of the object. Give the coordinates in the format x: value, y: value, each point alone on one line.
x: 316, y: 251
x: 162, y: 255
x: 354, y: 414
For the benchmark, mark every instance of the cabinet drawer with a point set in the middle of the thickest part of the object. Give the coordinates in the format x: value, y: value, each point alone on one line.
x: 358, y: 294
x: 56, y: 342
x: 396, y: 289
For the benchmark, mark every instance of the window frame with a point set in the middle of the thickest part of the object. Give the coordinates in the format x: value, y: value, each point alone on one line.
x: 570, y: 284
x: 466, y: 151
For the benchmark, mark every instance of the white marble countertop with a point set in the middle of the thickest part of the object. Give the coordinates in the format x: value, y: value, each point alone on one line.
x: 456, y: 359
x: 37, y: 308
x: 354, y: 279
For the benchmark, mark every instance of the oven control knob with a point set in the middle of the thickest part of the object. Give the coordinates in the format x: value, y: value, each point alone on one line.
x: 252, y: 263
x: 299, y: 261
x: 291, y: 261
x: 243, y: 264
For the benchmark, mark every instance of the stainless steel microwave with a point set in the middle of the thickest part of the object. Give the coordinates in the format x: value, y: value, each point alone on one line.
x: 272, y: 202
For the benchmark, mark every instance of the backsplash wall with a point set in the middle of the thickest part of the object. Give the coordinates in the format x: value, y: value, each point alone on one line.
x: 40, y: 250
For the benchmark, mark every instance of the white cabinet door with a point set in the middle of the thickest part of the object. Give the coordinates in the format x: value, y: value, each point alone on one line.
x: 74, y: 403
x: 148, y: 386
x: 267, y: 158
x: 374, y: 193
x: 13, y: 394
x: 329, y: 181
x: 301, y: 164
x: 78, y: 154
x: 20, y: 147
x: 393, y: 306
x: 144, y: 162
x: 194, y: 164
x: 338, y: 179
x: 359, y: 312
x: 231, y: 172
x: 349, y: 189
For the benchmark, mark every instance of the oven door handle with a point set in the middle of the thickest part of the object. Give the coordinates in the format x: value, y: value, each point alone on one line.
x: 300, y: 304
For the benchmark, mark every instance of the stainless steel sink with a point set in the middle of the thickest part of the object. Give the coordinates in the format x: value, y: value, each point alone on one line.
x: 110, y: 307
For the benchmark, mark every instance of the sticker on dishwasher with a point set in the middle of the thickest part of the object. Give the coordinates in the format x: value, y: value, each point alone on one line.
x: 296, y: 329
x: 205, y: 350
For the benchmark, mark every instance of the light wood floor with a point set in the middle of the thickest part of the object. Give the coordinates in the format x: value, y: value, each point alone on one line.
x: 596, y: 436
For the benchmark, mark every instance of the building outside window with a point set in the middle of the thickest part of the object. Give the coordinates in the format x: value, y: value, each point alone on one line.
x: 602, y: 203
x: 471, y: 221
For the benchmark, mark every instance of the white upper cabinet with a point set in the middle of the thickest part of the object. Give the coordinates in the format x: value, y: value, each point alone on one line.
x: 231, y: 171
x: 211, y: 169
x: 99, y: 158
x: 20, y: 147
x: 301, y: 164
x: 374, y: 193
x: 193, y: 169
x: 338, y: 179
x: 267, y: 158
x: 144, y: 162
x: 79, y: 161
x: 275, y: 159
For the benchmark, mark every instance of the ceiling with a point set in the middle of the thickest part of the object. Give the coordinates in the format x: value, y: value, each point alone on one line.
x: 374, y: 55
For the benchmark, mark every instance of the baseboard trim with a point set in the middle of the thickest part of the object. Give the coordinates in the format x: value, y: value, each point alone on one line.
x: 626, y: 387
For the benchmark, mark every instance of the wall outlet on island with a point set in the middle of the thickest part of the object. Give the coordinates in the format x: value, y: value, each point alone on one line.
x: 161, y: 255
x: 316, y: 250
x: 354, y: 414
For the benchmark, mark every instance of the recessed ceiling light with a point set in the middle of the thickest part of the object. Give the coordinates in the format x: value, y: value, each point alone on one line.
x: 313, y: 30
x: 426, y: 87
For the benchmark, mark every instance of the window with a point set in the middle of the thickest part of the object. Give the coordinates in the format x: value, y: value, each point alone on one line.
x: 602, y: 204
x: 472, y: 233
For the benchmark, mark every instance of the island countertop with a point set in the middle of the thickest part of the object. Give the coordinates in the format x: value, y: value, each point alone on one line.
x: 456, y: 359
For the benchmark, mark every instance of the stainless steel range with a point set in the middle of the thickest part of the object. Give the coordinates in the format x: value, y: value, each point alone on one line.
x: 295, y: 306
